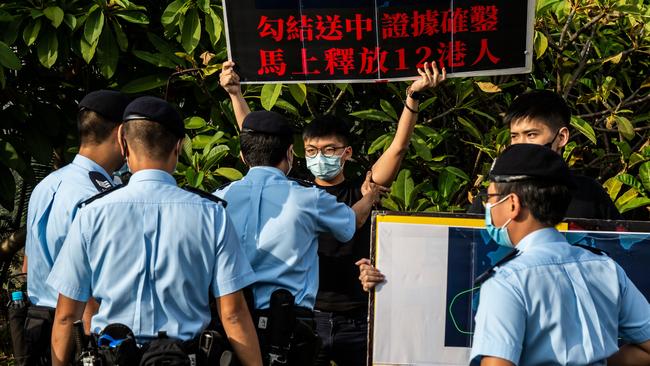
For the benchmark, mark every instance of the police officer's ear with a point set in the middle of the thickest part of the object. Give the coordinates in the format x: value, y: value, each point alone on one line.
x: 562, y: 137
x: 121, y: 140
x: 241, y: 156
x: 514, y: 206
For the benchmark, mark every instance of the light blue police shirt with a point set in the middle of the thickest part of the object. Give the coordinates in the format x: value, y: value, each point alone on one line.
x: 52, y: 206
x: 558, y: 304
x: 151, y: 254
x: 278, y: 222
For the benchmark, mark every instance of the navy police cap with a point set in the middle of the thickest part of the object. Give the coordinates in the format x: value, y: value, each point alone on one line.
x: 267, y: 122
x: 109, y: 104
x: 530, y: 162
x: 156, y: 110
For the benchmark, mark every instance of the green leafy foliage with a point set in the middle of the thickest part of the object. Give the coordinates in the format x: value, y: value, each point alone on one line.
x: 593, y: 53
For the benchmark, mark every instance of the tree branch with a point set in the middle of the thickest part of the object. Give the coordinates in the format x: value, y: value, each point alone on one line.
x: 336, y: 101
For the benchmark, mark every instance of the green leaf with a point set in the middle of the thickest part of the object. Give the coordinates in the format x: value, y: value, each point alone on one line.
x: 204, y: 5
x: 8, y: 58
x: 55, y: 14
x: 30, y: 33
x: 187, y: 148
x: 194, y: 123
x: 380, y: 143
x: 626, y: 197
x: 230, y: 173
x: 447, y: 184
x: 421, y: 148
x: 9, y: 157
x: 372, y: 115
x: 107, y: 53
x: 625, y: 127
x: 541, y: 44
x: 283, y: 104
x: 613, y: 187
x: 48, y: 49
x: 213, y: 26
x: 402, y: 187
x: 120, y: 37
x: 644, y: 175
x: 298, y: 92
x: 172, y: 13
x: 215, y: 155
x: 629, y: 180
x: 584, y: 127
x: 457, y: 172
x: 191, y: 32
x: 3, y: 79
x: 94, y: 26
x: 134, y: 17
x: 144, y: 84
x: 470, y: 128
x: 388, y: 108
x: 156, y: 59
x: 70, y: 21
x: 270, y: 94
x: 87, y: 50
x: 635, y: 203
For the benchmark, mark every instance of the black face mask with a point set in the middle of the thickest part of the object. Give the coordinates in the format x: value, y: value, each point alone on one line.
x: 550, y: 144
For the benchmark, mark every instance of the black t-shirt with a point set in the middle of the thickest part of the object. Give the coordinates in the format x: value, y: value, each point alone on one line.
x: 588, y: 201
x: 339, y: 286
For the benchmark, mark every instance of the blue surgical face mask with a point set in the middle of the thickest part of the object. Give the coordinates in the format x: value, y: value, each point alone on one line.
x: 323, y: 167
x: 498, y: 234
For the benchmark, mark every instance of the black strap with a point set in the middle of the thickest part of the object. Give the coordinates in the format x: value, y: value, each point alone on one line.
x: 206, y: 195
x: 100, y: 181
x: 490, y: 272
x: 594, y: 250
x: 99, y: 195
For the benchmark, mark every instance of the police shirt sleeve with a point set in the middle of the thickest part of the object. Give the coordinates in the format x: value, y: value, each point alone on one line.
x: 500, y: 322
x: 335, y: 217
x: 232, y: 271
x: 634, y: 311
x: 71, y: 274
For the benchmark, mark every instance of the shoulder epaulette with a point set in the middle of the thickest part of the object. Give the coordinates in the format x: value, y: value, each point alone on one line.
x: 206, y: 195
x: 223, y: 186
x: 594, y: 250
x: 304, y: 183
x: 99, y: 195
x: 100, y: 181
x: 490, y: 272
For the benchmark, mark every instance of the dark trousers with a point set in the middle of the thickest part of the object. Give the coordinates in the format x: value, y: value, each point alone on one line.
x: 344, y: 337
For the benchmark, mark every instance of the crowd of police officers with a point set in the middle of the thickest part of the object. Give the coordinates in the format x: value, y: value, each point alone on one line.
x: 272, y: 270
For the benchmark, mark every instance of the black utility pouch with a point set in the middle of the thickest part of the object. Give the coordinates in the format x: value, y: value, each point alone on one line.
x: 164, y: 351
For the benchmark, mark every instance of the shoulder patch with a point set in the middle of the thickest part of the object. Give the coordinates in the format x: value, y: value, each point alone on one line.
x: 100, y: 181
x: 594, y: 250
x: 304, y: 183
x: 206, y: 195
x: 99, y: 195
x: 490, y: 272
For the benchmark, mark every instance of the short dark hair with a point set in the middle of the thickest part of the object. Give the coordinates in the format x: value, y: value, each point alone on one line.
x: 543, y: 105
x: 326, y: 126
x: 93, y: 127
x: 150, y: 138
x: 262, y: 149
x: 546, y: 201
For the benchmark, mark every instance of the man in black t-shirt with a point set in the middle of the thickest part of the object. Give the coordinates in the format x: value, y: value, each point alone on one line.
x: 341, y: 303
x: 542, y: 117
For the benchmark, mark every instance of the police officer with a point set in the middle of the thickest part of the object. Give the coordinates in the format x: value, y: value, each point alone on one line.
x: 52, y: 207
x: 550, y: 302
x: 152, y: 253
x: 279, y: 220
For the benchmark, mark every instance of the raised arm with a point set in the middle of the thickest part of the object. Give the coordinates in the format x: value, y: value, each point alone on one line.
x: 229, y: 80
x: 387, y: 166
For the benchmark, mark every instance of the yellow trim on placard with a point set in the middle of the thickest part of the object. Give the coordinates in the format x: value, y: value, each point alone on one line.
x: 446, y: 221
